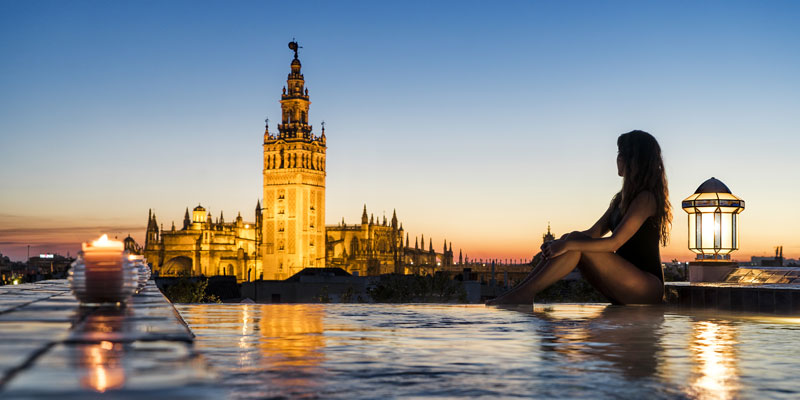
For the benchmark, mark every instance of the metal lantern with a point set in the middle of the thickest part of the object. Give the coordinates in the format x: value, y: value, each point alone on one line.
x: 713, y: 228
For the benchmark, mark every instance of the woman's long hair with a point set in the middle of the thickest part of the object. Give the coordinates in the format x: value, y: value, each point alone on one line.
x: 643, y: 170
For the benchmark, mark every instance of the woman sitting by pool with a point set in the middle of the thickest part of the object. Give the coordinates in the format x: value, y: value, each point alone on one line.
x: 625, y: 266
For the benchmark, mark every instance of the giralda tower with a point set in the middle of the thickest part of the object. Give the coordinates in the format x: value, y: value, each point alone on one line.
x: 293, y: 213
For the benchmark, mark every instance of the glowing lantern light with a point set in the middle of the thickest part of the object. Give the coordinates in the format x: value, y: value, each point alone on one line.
x: 713, y: 228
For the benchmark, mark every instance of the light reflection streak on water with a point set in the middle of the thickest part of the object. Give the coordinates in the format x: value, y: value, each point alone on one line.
x: 101, y: 366
x: 244, y: 356
x: 714, y: 353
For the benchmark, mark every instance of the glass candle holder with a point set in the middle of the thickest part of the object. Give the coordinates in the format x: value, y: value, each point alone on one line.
x: 142, y: 271
x: 102, y: 274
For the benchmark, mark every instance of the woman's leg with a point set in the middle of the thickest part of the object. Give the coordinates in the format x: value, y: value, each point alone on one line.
x: 612, y: 275
x: 542, y: 276
x: 620, y: 280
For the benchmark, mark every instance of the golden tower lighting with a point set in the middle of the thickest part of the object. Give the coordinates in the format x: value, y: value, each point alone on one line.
x: 713, y: 227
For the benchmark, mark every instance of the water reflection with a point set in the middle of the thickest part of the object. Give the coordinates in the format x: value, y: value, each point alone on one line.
x: 292, y: 343
x: 279, y: 345
x: 625, y: 338
x: 714, y: 372
x: 560, y: 351
x: 101, y: 366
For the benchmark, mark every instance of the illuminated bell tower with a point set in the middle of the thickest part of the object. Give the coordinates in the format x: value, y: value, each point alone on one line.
x: 294, y: 186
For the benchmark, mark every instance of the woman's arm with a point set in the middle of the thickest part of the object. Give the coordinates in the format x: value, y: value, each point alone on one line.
x: 642, y: 207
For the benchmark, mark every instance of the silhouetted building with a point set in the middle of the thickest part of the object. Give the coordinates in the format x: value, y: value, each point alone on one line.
x: 548, y: 237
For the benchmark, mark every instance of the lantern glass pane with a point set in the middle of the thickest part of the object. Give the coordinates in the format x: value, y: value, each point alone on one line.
x: 698, y: 232
x: 692, y: 232
x: 735, y: 239
x: 727, y: 231
x: 706, y: 196
x: 707, y: 227
x: 707, y: 210
x: 727, y: 196
x: 692, y: 197
x: 717, y: 231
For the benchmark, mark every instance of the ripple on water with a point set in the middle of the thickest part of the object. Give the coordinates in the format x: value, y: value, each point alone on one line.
x: 573, y: 351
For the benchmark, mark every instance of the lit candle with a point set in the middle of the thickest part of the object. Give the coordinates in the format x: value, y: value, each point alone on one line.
x: 103, y: 260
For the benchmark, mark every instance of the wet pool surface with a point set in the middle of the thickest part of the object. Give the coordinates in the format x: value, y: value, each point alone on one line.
x: 553, y: 351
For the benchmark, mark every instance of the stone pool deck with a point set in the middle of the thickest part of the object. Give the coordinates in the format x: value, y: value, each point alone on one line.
x: 783, y: 299
x: 52, y: 348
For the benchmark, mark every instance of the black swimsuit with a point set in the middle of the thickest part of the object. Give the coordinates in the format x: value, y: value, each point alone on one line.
x: 641, y: 249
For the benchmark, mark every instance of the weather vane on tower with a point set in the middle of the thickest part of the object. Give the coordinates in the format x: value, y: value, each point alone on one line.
x: 293, y: 45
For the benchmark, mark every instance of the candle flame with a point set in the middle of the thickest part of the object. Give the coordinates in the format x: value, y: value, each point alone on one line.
x: 102, y: 241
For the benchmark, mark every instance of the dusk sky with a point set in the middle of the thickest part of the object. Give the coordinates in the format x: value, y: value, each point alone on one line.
x: 478, y: 122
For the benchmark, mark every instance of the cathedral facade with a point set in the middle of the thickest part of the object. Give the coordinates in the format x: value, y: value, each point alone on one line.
x: 376, y: 247
x: 204, y: 246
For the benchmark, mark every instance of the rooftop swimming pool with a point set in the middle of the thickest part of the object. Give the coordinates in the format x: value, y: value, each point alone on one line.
x: 550, y: 351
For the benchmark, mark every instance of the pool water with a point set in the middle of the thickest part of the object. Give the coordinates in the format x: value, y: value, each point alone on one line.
x: 553, y: 351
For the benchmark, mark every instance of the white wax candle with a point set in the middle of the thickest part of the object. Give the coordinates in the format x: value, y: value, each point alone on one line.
x: 104, y: 276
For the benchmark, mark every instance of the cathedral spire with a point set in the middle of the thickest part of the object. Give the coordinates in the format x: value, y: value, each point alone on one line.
x: 186, y: 219
x: 152, y: 225
x: 364, y: 219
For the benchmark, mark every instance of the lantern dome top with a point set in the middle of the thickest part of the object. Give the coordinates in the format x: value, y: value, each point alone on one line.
x: 712, y: 193
x: 712, y: 185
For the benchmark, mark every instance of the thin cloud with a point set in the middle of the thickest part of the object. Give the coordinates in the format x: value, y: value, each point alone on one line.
x: 70, y: 230
x: 14, y: 242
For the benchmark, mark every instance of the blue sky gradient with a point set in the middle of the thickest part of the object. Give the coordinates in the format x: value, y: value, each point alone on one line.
x: 479, y: 122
